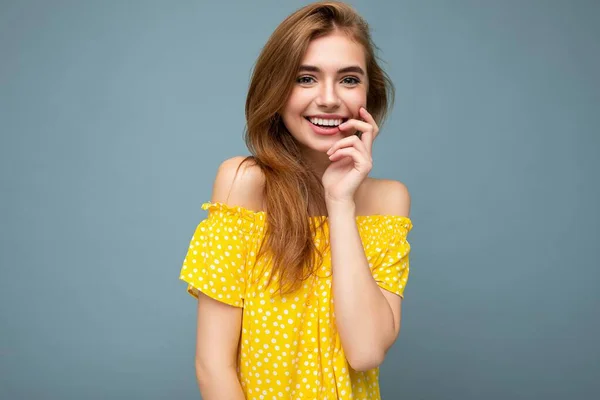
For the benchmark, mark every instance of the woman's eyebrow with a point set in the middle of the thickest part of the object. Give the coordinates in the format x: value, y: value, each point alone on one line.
x: 353, y: 68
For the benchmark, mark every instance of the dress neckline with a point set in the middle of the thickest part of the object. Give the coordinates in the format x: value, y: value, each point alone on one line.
x: 248, y: 212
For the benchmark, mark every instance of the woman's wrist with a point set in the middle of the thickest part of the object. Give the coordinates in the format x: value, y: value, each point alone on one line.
x: 340, y: 207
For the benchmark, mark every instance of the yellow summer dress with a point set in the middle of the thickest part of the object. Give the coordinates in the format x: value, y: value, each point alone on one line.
x: 289, y: 346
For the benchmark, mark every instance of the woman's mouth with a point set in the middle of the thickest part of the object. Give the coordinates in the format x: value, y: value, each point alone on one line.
x: 325, y: 126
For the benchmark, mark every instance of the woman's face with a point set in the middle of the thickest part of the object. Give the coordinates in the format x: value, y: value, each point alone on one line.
x: 331, y: 85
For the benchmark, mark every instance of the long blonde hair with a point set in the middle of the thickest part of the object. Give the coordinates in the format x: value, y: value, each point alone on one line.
x: 293, y: 192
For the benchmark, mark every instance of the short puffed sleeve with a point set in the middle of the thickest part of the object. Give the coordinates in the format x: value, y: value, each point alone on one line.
x: 390, y: 260
x: 216, y: 258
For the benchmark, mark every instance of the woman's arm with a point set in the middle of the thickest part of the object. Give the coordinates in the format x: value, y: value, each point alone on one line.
x: 219, y: 324
x: 218, y: 334
x: 367, y: 316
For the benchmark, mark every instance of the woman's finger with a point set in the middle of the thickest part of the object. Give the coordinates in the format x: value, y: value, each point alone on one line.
x: 368, y: 118
x: 347, y: 142
x: 371, y: 121
x: 358, y: 157
x: 355, y: 124
x: 364, y: 127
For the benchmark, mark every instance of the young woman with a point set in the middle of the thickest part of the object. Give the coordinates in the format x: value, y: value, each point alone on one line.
x: 300, y: 266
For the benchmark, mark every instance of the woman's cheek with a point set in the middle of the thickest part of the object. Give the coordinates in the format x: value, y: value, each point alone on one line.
x: 358, y: 101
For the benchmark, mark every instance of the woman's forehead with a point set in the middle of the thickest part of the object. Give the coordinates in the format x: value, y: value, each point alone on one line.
x: 334, y: 51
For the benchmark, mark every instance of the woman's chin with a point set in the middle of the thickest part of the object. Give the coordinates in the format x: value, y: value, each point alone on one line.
x: 317, y: 148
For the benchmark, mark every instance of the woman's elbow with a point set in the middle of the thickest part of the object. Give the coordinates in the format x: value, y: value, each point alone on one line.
x: 366, y: 362
x: 206, y: 371
x: 202, y: 371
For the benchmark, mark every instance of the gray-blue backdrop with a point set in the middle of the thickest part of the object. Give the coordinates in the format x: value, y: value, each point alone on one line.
x: 114, y: 116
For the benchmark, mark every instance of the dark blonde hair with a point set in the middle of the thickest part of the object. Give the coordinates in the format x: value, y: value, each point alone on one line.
x: 293, y: 192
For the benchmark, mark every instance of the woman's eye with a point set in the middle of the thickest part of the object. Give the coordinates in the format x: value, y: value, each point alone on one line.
x: 350, y: 80
x: 304, y: 79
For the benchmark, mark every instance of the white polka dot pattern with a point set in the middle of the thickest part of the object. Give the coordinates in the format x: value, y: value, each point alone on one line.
x: 289, y: 346
x: 216, y: 258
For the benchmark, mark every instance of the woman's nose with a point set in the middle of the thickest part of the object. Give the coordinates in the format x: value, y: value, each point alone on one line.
x: 328, y: 96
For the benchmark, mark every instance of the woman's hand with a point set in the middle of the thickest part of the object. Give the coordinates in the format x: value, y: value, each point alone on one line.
x: 351, y: 159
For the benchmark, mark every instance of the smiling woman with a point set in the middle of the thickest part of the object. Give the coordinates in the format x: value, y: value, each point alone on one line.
x: 300, y: 224
x: 331, y: 78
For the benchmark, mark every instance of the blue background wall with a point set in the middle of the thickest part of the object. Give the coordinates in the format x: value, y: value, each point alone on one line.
x: 115, y: 115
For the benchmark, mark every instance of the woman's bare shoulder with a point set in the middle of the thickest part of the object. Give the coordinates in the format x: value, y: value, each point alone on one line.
x: 388, y: 197
x: 239, y: 183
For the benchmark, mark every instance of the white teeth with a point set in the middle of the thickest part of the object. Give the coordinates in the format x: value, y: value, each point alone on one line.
x: 325, y: 122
